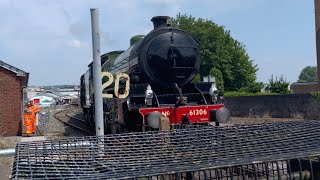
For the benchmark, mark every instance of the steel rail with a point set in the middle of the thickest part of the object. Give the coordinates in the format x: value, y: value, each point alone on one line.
x: 71, y: 124
x: 67, y: 114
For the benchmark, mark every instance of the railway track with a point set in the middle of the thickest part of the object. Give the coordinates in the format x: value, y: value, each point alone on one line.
x: 68, y: 116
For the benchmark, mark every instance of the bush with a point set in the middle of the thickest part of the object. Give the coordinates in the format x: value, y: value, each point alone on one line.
x: 236, y: 94
x: 254, y: 87
x: 316, y: 95
x: 278, y: 85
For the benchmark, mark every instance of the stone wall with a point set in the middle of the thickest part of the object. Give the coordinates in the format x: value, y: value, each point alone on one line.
x: 275, y: 106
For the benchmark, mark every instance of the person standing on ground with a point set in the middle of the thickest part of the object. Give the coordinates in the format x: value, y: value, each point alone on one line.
x: 27, y: 116
x: 31, y: 116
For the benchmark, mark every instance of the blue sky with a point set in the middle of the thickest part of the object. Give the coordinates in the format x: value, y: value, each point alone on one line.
x: 52, y: 39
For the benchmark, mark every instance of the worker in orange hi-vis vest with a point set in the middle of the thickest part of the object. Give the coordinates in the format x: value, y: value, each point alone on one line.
x: 31, y: 113
x: 28, y: 121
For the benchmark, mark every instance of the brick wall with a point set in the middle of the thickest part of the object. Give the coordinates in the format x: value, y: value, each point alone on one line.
x: 305, y: 87
x: 10, y: 103
x: 277, y: 106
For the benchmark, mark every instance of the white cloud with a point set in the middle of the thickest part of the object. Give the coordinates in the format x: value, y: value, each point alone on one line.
x: 76, y: 43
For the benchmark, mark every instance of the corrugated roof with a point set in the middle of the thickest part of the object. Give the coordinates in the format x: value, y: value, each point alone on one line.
x: 24, y: 75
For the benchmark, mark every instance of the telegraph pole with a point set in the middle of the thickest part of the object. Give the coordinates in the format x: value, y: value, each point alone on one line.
x: 317, y: 24
x: 98, y: 110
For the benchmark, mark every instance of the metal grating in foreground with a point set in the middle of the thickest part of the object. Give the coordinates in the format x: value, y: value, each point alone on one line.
x: 268, y: 151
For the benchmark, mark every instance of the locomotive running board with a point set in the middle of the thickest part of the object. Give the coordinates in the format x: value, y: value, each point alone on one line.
x: 269, y: 151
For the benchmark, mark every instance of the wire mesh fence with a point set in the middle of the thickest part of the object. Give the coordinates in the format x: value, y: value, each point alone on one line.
x: 43, y: 122
x: 267, y: 151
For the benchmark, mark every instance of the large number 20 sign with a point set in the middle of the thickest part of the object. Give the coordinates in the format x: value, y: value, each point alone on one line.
x: 116, y: 85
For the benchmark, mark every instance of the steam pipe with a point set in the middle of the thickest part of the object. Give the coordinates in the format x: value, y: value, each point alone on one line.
x: 178, y: 103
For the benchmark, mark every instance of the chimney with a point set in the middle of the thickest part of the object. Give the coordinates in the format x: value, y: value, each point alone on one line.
x: 160, y: 21
x: 317, y: 17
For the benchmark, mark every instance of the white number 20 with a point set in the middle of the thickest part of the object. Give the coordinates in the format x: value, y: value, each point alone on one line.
x: 116, y: 85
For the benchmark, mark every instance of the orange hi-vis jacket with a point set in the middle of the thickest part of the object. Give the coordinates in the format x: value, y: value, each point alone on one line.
x: 34, y: 110
x: 28, y: 122
x: 31, y: 118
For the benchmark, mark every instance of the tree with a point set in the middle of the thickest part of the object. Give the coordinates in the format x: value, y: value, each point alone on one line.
x: 197, y: 78
x: 278, y: 85
x: 254, y: 87
x: 308, y: 74
x: 222, y: 55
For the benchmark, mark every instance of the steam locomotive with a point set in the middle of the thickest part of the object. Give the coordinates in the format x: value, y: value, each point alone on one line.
x: 160, y: 68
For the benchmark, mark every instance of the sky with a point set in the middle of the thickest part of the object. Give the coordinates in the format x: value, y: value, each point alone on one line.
x: 51, y: 39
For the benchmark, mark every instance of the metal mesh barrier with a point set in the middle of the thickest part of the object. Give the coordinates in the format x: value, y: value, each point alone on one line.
x: 266, y: 151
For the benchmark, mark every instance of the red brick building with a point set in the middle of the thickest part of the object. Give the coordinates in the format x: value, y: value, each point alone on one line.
x: 12, y: 84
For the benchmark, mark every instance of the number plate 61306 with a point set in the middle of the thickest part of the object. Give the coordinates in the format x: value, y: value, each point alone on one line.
x: 197, y: 112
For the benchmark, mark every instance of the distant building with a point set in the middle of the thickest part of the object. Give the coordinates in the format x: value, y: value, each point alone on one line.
x: 33, y: 91
x: 43, y: 101
x: 45, y: 98
x: 301, y: 88
x: 13, y: 81
x: 69, y: 91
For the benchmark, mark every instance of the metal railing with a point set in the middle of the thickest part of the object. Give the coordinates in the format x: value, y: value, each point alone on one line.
x: 269, y: 151
x: 7, y: 152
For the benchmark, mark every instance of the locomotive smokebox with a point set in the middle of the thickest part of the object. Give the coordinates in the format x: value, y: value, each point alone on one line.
x: 160, y: 21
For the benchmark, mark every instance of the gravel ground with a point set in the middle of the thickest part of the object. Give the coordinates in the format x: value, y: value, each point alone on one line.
x: 6, y: 162
x: 57, y: 128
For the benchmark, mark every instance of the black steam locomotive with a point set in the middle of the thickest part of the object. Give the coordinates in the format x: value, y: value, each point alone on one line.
x: 160, y: 67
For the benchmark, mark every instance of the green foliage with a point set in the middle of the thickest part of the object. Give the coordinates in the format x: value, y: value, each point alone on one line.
x: 308, y: 74
x: 219, y: 77
x: 316, y: 95
x: 254, y: 87
x: 222, y: 56
x: 197, y: 78
x: 236, y: 94
x: 278, y: 85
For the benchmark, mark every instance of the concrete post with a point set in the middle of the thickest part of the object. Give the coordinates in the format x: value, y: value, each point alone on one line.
x: 97, y: 72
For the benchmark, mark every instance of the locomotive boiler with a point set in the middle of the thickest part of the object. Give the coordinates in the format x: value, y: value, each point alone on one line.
x: 160, y: 68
